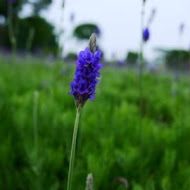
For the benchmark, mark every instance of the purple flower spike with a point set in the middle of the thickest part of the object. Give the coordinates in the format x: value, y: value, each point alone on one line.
x: 86, y: 76
x: 146, y: 34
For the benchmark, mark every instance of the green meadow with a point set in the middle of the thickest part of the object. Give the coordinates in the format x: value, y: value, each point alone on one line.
x: 36, y: 125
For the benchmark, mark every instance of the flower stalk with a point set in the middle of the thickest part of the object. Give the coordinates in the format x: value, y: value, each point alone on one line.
x: 35, y: 119
x: 10, y: 28
x: 73, y: 148
x: 141, y: 64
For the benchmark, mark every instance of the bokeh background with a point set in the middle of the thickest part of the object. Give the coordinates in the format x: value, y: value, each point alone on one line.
x: 135, y: 135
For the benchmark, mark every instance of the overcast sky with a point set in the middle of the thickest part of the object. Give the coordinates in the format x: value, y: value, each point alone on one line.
x: 119, y: 21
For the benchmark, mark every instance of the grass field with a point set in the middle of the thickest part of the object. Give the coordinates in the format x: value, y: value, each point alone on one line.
x: 110, y: 143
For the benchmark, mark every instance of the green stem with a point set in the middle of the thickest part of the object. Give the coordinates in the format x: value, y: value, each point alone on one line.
x: 30, y: 39
x: 11, y: 30
x: 35, y: 136
x: 35, y: 120
x: 73, y: 147
x: 141, y: 58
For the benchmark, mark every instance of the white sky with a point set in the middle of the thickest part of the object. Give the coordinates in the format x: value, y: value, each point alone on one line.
x: 119, y: 21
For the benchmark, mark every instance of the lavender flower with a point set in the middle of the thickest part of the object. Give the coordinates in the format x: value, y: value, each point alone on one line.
x: 87, y: 70
x: 146, y: 34
x: 83, y: 88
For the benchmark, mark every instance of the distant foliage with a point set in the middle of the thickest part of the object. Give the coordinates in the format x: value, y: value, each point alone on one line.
x: 84, y: 31
x: 34, y: 34
x: 43, y: 38
x: 17, y: 5
x: 177, y: 59
x: 40, y: 5
x: 4, y: 39
x: 71, y: 56
x: 4, y: 7
x: 132, y: 58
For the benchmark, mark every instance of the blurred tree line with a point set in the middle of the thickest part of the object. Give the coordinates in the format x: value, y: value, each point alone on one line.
x: 32, y: 33
x: 177, y: 59
x: 132, y: 58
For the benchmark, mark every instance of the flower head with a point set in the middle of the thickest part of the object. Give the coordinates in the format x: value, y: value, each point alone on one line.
x: 87, y: 71
x: 146, y: 34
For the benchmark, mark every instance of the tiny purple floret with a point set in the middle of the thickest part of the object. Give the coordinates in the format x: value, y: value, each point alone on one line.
x: 86, y: 76
x: 146, y: 34
x: 97, y: 31
x: 121, y: 63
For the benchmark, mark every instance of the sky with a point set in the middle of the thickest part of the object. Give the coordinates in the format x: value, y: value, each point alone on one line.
x: 119, y: 21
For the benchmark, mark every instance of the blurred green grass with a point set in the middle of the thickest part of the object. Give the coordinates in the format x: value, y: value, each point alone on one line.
x: 109, y: 136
